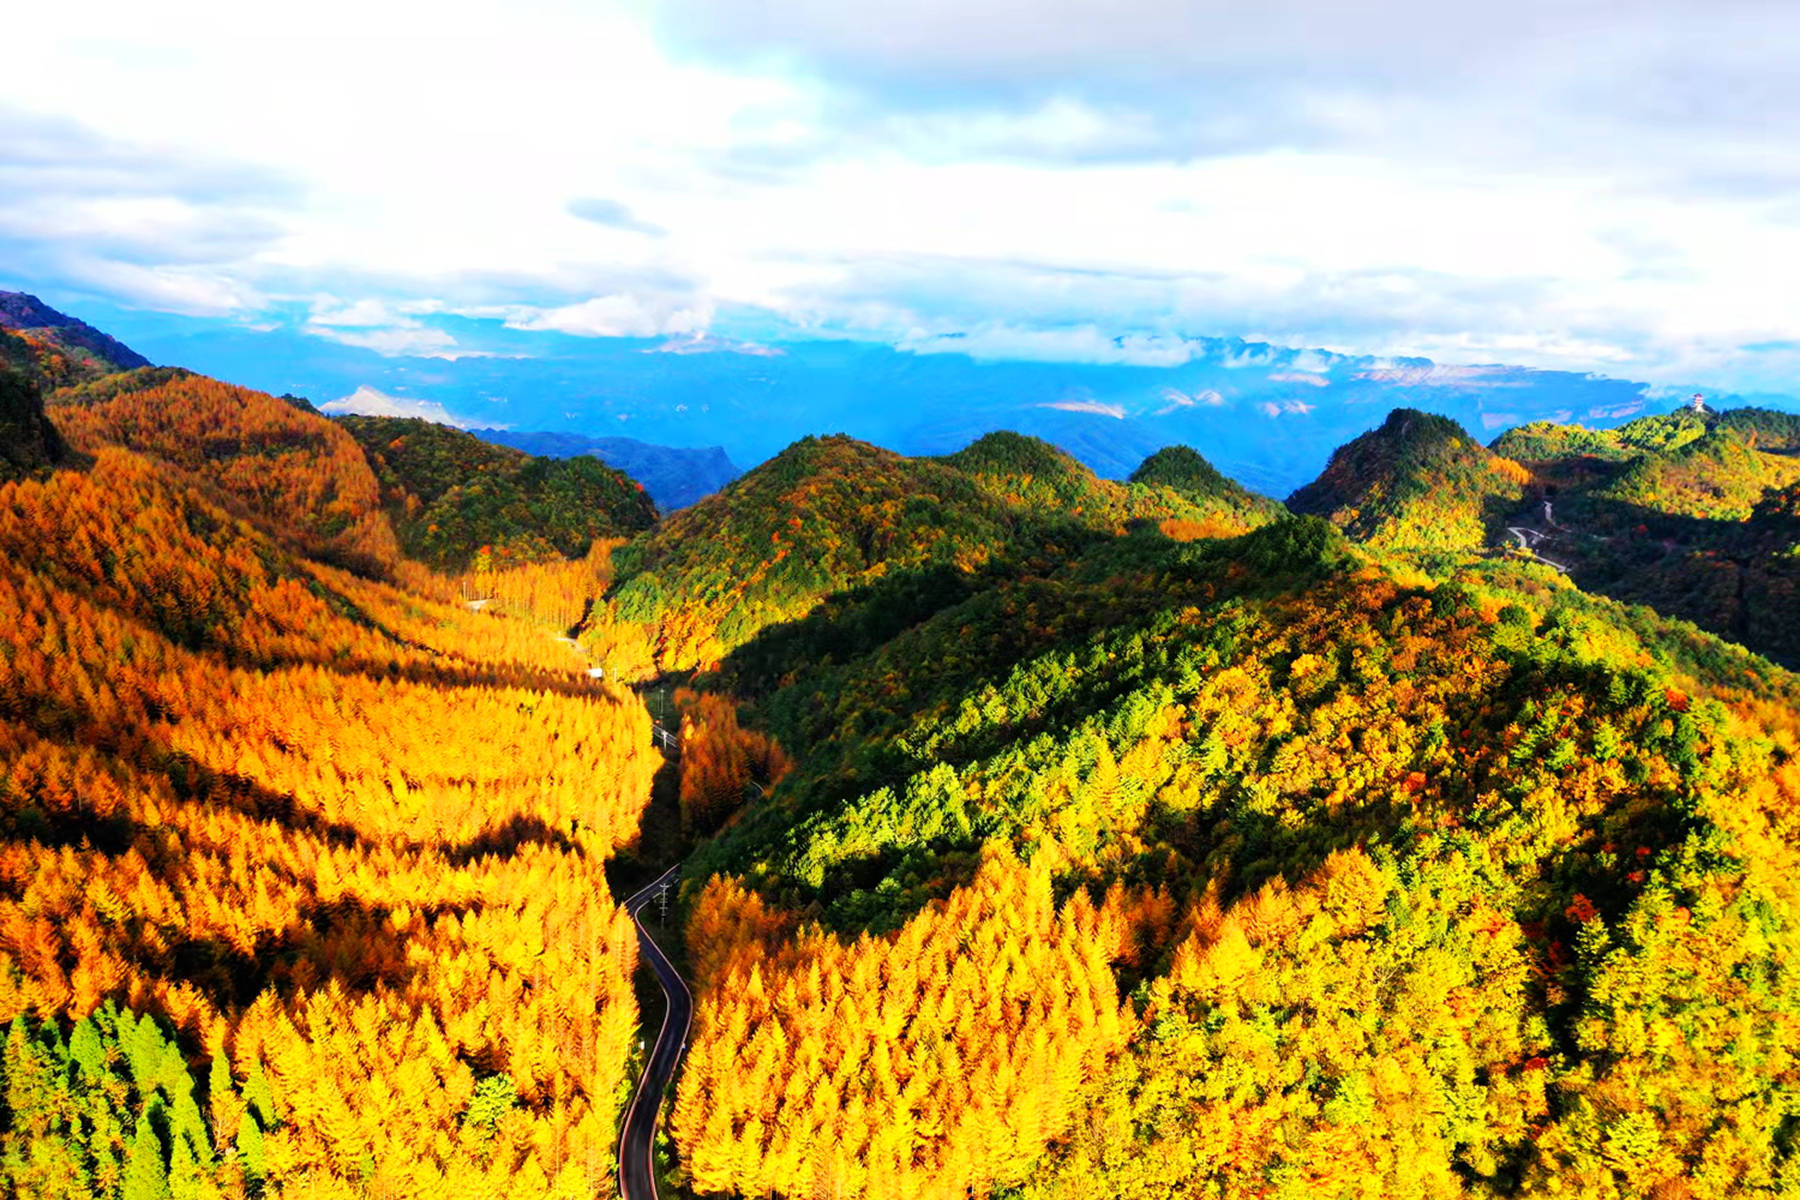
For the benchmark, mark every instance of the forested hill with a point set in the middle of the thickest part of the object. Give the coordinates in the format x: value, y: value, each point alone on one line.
x: 1248, y: 868
x: 675, y: 476
x: 1042, y: 837
x: 1418, y: 482
x: 833, y: 513
x: 1185, y: 470
x: 302, y: 479
x: 457, y: 500
x: 302, y: 870
x: 1691, y: 513
x: 28, y: 441
x: 67, y: 350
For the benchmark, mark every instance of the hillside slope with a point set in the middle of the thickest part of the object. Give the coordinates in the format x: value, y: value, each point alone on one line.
x: 67, y: 350
x: 302, y: 875
x: 830, y: 514
x: 1247, y: 868
x: 1185, y: 470
x: 1686, y: 512
x: 1416, y: 483
x: 456, y: 500
x: 298, y: 475
x: 28, y: 441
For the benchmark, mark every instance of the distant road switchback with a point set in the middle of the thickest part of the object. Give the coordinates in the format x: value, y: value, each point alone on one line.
x: 637, y: 1140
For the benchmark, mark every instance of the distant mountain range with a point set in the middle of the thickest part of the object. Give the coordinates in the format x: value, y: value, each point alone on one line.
x: 1268, y: 416
x: 674, y: 476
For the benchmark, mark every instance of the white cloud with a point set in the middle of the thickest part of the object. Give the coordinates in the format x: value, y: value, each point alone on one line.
x: 366, y: 401
x: 1434, y: 375
x: 1272, y: 408
x: 1249, y: 356
x: 1096, y: 407
x: 385, y: 327
x: 1175, y: 399
x: 191, y: 292
x: 699, y: 343
x: 1596, y: 186
x: 358, y: 314
x: 403, y: 342
x: 614, y: 316
x: 1084, y: 343
x: 1299, y: 377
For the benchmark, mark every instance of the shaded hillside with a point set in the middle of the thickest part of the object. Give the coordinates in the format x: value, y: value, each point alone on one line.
x: 1416, y: 483
x: 66, y: 350
x: 458, y: 501
x: 28, y: 441
x: 1688, y: 513
x: 833, y: 513
x: 1250, y: 868
x: 675, y: 476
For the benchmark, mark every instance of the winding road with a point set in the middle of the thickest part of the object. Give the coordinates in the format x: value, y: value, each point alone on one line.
x: 1528, y: 540
x: 637, y: 1138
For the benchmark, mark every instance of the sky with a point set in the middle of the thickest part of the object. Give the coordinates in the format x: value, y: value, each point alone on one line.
x: 1593, y: 185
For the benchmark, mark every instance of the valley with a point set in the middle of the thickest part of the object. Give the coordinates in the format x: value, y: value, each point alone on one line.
x: 1000, y: 830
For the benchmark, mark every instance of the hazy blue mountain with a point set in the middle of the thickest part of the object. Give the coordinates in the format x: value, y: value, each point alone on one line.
x: 1267, y: 416
x: 674, y: 476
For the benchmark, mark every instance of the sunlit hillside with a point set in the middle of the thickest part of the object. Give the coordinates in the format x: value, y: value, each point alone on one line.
x: 830, y: 514
x: 301, y: 871
x: 1253, y: 868
x: 1690, y: 513
x: 1038, y: 836
x: 1417, y: 483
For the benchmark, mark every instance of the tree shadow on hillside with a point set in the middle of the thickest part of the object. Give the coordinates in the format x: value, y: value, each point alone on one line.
x: 1731, y: 578
x: 505, y: 840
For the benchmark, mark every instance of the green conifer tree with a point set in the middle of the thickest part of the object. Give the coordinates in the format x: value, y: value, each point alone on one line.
x: 146, y: 1174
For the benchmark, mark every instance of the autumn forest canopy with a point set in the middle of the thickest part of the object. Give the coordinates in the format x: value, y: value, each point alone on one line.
x: 1042, y: 836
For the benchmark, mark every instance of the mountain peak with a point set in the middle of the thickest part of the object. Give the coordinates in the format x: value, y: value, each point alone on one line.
x: 1183, y: 468
x: 1007, y: 453
x: 1418, y: 481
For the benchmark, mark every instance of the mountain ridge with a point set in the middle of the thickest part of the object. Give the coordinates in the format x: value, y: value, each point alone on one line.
x: 84, y: 352
x: 674, y: 476
x: 1221, y: 395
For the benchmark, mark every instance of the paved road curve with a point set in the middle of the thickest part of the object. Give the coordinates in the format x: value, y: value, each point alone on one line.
x: 637, y: 1140
x: 1530, y: 546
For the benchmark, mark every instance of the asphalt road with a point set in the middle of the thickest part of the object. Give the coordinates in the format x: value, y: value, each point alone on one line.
x: 637, y: 1140
x: 1530, y: 546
